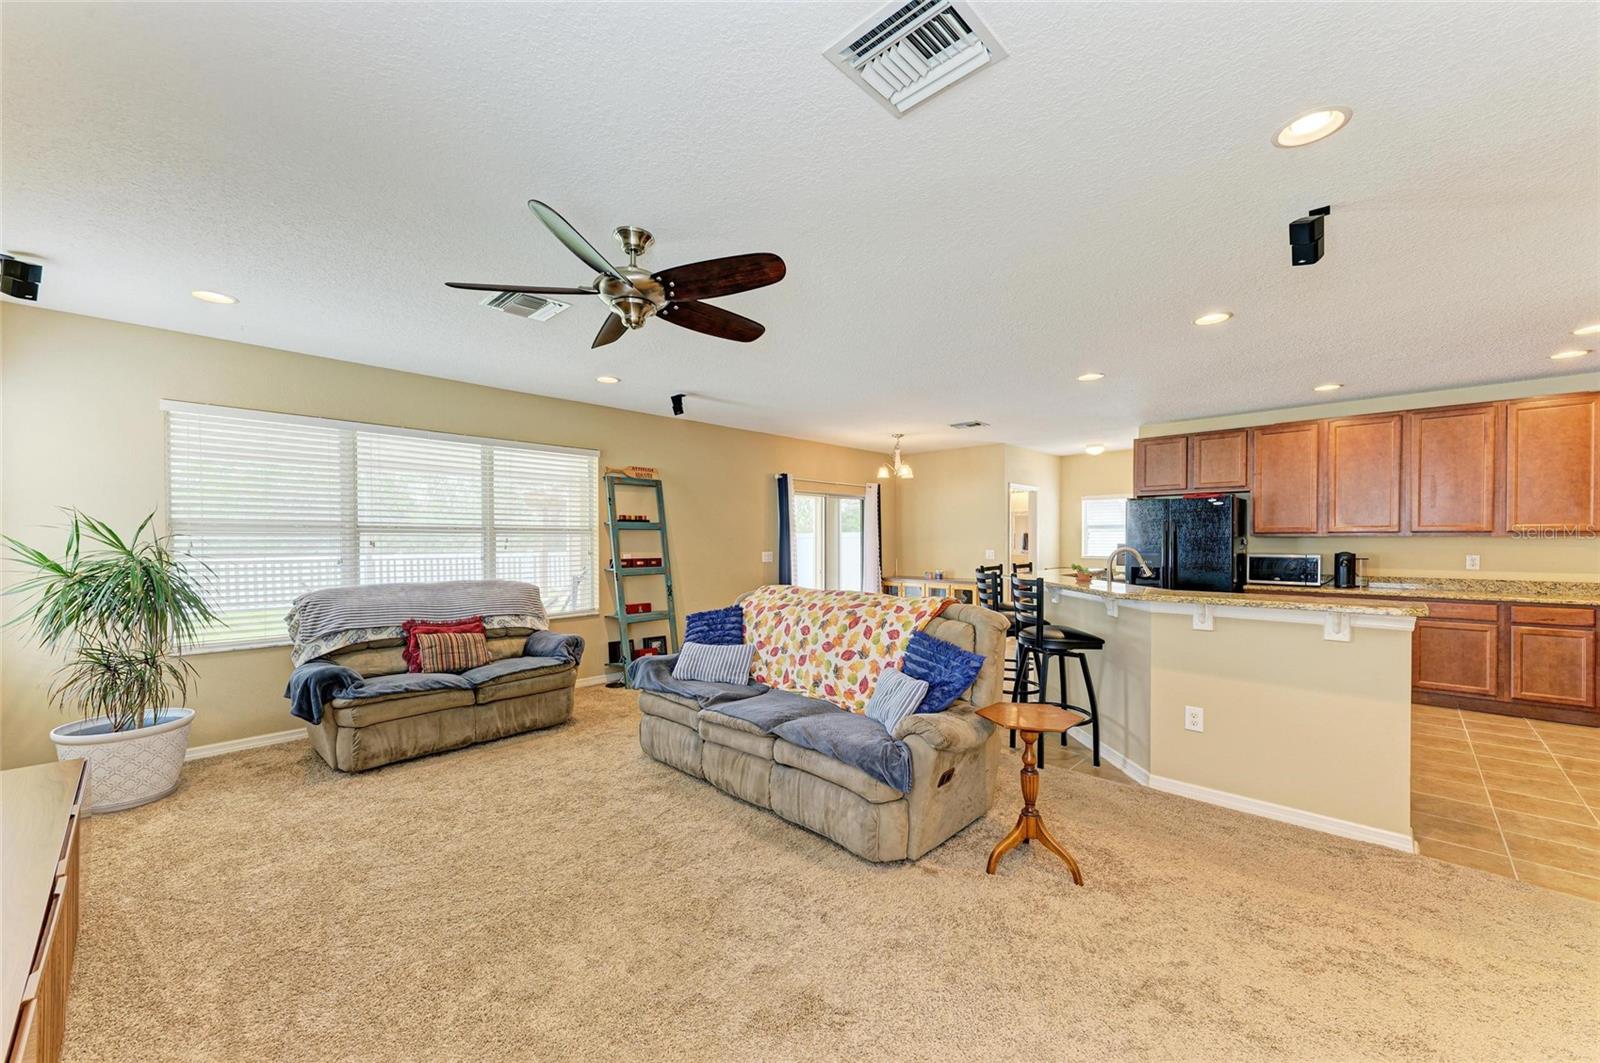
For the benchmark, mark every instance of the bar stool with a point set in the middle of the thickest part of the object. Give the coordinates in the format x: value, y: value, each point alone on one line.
x: 1037, y: 641
x: 991, y: 595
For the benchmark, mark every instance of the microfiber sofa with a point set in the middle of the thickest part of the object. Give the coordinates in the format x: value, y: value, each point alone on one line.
x: 370, y: 711
x: 724, y: 734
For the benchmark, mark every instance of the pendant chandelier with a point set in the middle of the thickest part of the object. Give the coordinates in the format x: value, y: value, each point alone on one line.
x: 894, y: 468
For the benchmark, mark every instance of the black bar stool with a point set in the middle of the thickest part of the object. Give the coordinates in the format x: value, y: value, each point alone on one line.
x: 1038, y: 641
x: 991, y: 595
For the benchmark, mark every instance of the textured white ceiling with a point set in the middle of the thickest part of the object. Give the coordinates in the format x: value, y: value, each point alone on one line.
x: 1072, y: 208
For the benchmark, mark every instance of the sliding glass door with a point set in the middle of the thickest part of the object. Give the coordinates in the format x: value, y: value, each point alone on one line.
x: 827, y: 541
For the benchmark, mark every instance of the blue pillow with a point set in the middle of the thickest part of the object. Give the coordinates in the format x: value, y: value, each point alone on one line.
x: 947, y: 669
x: 896, y: 696
x: 715, y: 627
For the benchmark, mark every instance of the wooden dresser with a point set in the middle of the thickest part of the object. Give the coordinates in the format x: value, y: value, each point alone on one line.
x: 40, y: 808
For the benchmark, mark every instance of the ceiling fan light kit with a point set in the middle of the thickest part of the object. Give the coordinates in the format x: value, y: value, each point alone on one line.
x: 635, y: 295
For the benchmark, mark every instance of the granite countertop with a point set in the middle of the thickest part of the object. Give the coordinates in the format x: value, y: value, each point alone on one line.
x: 1310, y: 600
x: 1456, y: 588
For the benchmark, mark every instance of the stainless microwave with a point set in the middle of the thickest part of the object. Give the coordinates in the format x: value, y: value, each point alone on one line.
x: 1304, y: 570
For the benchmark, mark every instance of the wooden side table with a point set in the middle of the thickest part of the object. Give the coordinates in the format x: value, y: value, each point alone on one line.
x: 1032, y: 720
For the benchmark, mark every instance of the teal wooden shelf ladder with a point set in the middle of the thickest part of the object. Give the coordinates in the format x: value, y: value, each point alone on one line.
x: 627, y: 621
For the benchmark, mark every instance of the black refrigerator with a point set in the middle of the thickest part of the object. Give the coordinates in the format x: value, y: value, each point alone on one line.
x: 1190, y: 543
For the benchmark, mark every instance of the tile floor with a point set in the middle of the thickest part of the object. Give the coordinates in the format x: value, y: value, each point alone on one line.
x: 1515, y: 797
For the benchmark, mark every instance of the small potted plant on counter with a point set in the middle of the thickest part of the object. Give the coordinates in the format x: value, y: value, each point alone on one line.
x: 1081, y: 574
x: 123, y: 610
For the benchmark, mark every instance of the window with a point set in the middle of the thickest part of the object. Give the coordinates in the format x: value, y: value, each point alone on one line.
x: 1105, y: 524
x: 827, y: 532
x: 271, y: 506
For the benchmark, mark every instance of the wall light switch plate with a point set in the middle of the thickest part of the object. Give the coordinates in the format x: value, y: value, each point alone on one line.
x: 1194, y: 718
x: 1472, y: 562
x: 766, y: 557
x: 988, y: 555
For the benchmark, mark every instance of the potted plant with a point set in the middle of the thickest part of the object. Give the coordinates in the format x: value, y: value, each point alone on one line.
x: 1081, y: 574
x: 123, y: 610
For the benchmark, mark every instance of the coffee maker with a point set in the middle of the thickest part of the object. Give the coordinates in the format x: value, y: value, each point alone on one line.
x: 1349, y: 571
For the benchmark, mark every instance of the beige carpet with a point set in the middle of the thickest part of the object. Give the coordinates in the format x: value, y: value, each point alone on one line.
x: 560, y: 896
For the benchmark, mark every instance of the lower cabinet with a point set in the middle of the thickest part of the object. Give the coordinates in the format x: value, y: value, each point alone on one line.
x: 1519, y: 660
x: 1459, y: 656
x: 1553, y: 665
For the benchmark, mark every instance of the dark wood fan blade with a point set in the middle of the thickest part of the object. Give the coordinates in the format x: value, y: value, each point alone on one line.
x: 712, y: 320
x: 531, y: 289
x: 575, y: 242
x: 610, y: 332
x: 722, y: 276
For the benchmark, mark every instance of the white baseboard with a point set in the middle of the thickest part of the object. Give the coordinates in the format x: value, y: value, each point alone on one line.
x: 216, y: 749
x: 593, y: 681
x: 1343, y: 828
x: 1112, y: 757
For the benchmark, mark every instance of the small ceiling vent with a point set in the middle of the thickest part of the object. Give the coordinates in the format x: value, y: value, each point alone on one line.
x: 521, y: 304
x: 969, y: 424
x: 908, y: 51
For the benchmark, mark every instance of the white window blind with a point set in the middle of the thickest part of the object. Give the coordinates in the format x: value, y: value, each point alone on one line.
x: 1104, y: 525
x: 270, y: 506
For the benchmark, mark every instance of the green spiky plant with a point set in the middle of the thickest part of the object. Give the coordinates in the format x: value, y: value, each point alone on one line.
x: 125, y: 610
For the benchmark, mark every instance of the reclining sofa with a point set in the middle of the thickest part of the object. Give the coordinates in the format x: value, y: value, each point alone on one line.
x: 722, y: 733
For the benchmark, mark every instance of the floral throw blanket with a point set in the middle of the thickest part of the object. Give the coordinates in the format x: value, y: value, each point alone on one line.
x: 830, y: 644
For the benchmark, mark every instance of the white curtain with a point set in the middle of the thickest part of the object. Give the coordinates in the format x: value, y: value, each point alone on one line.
x: 871, y: 542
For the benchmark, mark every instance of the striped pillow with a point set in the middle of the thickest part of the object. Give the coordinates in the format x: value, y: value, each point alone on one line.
x: 895, y: 697
x: 451, y: 651
x: 714, y: 664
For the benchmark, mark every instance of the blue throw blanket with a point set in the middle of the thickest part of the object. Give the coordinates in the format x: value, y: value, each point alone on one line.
x: 313, y: 684
x: 859, y: 741
x: 655, y: 674
x: 553, y: 644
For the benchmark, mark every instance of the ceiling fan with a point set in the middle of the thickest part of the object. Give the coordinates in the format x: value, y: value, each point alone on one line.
x: 635, y: 295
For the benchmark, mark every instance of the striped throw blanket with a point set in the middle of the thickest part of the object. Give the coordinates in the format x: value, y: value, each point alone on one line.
x: 321, y: 622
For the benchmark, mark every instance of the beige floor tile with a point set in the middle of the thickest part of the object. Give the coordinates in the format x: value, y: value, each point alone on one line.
x: 1499, y: 740
x: 1520, y: 784
x: 1455, y: 832
x: 1555, y: 878
x: 1549, y: 853
x: 1435, y: 741
x: 1433, y: 712
x: 1460, y: 811
x: 1472, y: 793
x: 1585, y: 836
x: 1571, y: 730
x: 1466, y: 773
x: 1529, y: 754
x: 1436, y: 760
x: 1589, y: 795
x: 1569, y: 811
x: 1548, y: 771
x: 1566, y: 747
x: 1442, y: 728
x: 1494, y: 719
x: 1498, y: 863
x: 1580, y: 770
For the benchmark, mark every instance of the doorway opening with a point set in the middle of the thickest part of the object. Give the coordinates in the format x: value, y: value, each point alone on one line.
x: 1024, y: 524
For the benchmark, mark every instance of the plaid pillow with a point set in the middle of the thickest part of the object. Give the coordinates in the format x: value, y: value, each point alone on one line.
x: 452, y: 651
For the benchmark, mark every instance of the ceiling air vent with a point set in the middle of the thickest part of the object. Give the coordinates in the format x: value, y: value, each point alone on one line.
x: 970, y: 424
x: 907, y: 52
x: 521, y: 304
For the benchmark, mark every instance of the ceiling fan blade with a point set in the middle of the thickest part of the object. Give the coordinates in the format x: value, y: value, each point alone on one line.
x: 531, y: 289
x: 722, y: 276
x: 610, y: 332
x: 712, y: 320
x: 564, y: 232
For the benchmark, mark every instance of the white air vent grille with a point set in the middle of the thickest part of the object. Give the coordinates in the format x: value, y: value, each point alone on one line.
x: 969, y: 424
x: 908, y: 51
x: 521, y: 304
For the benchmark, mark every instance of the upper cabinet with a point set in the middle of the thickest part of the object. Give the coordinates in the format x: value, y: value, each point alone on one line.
x: 1286, y: 478
x: 1219, y: 461
x: 1453, y: 465
x: 1161, y: 465
x: 1553, y: 463
x: 1364, y: 474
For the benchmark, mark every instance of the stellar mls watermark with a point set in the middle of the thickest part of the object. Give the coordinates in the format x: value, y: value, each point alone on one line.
x: 1555, y: 531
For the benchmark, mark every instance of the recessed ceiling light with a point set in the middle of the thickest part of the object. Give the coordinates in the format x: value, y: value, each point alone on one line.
x: 1587, y: 330
x: 1562, y: 356
x: 1094, y: 449
x: 1327, y: 387
x: 214, y: 297
x: 1216, y: 317
x: 1091, y: 376
x: 607, y: 380
x: 1312, y: 127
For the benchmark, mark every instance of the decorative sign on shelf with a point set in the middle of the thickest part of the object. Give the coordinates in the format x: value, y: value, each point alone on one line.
x: 638, y: 607
x: 632, y: 472
x: 631, y: 518
x: 638, y: 561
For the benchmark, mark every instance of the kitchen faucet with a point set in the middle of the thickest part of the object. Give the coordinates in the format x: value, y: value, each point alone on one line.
x: 1111, y: 564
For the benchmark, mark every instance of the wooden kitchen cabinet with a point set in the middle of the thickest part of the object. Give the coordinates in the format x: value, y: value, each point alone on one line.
x: 1161, y: 465
x: 1553, y: 463
x: 1457, y: 654
x: 1286, y: 478
x: 1554, y: 665
x: 1364, y: 474
x: 1518, y: 659
x: 1453, y: 467
x: 1219, y: 461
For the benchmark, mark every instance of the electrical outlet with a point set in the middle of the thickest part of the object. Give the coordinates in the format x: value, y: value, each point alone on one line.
x: 766, y: 557
x: 1472, y: 562
x: 1194, y: 718
x: 988, y: 555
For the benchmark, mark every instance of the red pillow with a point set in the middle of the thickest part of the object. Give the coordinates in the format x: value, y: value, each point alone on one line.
x: 413, y: 628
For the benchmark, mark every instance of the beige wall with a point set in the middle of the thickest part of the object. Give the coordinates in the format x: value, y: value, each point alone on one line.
x: 1083, y: 476
x: 82, y: 426
x: 952, y: 512
x: 1432, y: 555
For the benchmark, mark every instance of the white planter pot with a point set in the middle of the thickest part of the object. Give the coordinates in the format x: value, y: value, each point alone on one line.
x: 127, y: 768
